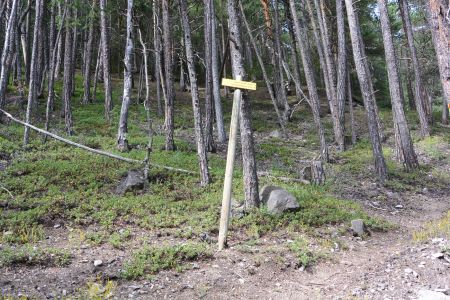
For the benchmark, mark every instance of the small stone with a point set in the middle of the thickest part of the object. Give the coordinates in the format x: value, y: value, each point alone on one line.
x: 7, y: 233
x: 437, y: 255
x: 431, y: 295
x: 57, y: 226
x: 399, y: 206
x: 437, y: 240
x: 98, y: 262
x: 64, y: 292
x: 195, y: 266
x: 408, y: 270
x: 134, y: 287
x: 241, y: 281
x: 358, y: 227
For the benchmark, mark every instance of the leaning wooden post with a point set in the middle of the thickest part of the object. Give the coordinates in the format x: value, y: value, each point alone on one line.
x: 231, y: 154
x: 228, y: 182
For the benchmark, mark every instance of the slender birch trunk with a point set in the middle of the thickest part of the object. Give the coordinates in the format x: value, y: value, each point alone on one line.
x: 105, y: 60
x: 201, y: 149
x: 122, y: 141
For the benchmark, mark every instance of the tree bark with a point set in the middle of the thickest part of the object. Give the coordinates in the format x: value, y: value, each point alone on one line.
x: 68, y: 73
x: 7, y: 53
x: 157, y: 53
x: 440, y: 30
x: 88, y: 58
x: 278, y: 71
x: 122, y: 141
x: 341, y: 83
x: 201, y: 149
x: 51, y: 74
x: 221, y: 135
x: 168, y: 70
x: 33, y: 66
x: 418, y: 84
x: 404, y: 145
x: 366, y: 89
x: 310, y: 80
x: 247, y: 143
x: 105, y: 60
x: 209, y: 137
x: 281, y: 120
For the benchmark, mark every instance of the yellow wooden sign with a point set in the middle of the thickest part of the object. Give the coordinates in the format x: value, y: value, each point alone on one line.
x: 245, y: 85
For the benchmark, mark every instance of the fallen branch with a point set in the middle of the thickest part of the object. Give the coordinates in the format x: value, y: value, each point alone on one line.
x: 282, y: 178
x: 100, y: 152
x: 8, y: 191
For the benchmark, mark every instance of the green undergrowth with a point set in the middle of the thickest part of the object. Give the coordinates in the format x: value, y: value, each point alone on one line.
x: 152, y: 259
x: 53, y: 182
x: 29, y: 255
x: 357, y: 163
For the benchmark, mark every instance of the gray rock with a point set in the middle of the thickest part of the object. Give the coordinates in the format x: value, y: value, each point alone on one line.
x: 275, y: 134
x: 280, y: 201
x: 265, y: 192
x: 134, y: 181
x: 358, y: 227
x: 431, y: 295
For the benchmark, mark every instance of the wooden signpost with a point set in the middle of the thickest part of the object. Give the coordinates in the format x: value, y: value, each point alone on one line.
x: 245, y: 85
x: 231, y: 154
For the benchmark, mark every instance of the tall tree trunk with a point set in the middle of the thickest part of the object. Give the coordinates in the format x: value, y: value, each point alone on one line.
x: 404, y: 145
x: 97, y: 71
x: 440, y: 31
x: 281, y: 120
x: 68, y: 74
x: 294, y: 53
x: 60, y: 49
x: 279, y: 80
x: 168, y: 70
x: 418, y: 84
x: 33, y: 66
x: 201, y: 149
x: 209, y: 137
x: 122, y: 141
x: 88, y: 58
x: 105, y: 59
x: 157, y: 46
x: 247, y: 143
x: 341, y: 83
x: 350, y: 107
x: 310, y: 80
x: 331, y: 74
x: 366, y: 89
x: 7, y: 53
x: 221, y: 135
x: 51, y: 73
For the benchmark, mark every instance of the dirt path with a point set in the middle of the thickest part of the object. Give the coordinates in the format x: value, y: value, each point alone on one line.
x: 383, y: 266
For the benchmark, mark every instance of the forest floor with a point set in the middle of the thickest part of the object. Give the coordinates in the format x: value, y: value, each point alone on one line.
x: 60, y: 215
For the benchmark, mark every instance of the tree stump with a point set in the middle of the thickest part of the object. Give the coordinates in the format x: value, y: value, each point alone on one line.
x: 317, y: 173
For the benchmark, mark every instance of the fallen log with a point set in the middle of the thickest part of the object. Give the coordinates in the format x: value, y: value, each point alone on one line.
x: 96, y: 151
